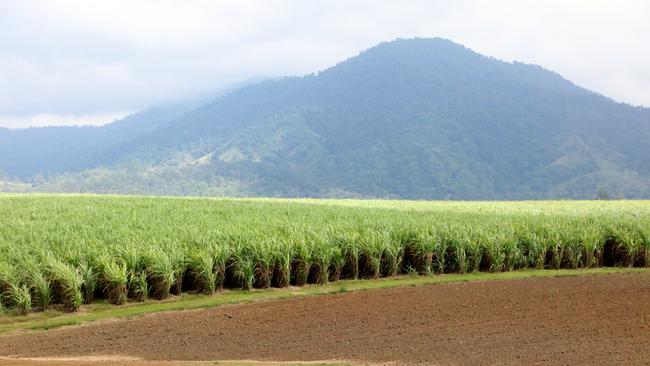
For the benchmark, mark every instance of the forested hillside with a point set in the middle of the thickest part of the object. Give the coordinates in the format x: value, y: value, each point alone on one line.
x: 417, y: 118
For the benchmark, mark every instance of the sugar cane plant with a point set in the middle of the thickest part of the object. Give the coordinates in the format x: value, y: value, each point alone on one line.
x: 62, y: 251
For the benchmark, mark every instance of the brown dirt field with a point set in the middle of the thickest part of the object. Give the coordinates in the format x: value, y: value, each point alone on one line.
x: 601, y: 319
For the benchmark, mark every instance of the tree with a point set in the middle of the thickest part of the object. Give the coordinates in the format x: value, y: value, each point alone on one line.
x: 603, y: 193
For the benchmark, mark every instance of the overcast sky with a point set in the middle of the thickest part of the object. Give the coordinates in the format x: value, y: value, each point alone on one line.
x: 89, y: 62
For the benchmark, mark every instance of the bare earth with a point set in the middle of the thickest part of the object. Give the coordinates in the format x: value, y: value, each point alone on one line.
x: 572, y: 320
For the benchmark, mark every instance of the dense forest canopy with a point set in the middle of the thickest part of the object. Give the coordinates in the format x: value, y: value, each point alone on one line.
x: 416, y: 118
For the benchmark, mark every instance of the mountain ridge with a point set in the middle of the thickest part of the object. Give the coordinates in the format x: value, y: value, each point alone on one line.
x: 416, y: 118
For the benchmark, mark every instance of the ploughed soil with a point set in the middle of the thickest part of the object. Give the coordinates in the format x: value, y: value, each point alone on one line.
x: 601, y: 319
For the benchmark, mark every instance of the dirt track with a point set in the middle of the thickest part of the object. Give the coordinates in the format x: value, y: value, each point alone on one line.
x: 574, y: 320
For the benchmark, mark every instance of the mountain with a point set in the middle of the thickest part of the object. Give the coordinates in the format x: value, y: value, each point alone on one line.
x: 416, y: 118
x: 30, y: 151
x: 34, y: 151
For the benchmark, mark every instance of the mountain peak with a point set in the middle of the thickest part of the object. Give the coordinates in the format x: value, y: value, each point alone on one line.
x: 408, y: 118
x: 419, y: 50
x: 421, y: 43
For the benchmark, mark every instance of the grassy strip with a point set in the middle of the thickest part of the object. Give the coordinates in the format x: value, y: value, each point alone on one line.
x: 93, y: 312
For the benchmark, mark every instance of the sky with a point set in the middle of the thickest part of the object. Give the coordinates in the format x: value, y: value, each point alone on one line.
x: 91, y: 62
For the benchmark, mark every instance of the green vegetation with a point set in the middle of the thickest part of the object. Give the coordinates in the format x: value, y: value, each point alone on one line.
x: 101, y: 310
x: 410, y: 119
x: 70, y: 250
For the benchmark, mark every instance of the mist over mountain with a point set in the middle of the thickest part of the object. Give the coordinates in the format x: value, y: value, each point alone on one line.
x: 416, y: 118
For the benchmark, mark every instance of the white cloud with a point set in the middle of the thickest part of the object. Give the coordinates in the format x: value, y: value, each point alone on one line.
x: 44, y: 119
x: 95, y: 57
